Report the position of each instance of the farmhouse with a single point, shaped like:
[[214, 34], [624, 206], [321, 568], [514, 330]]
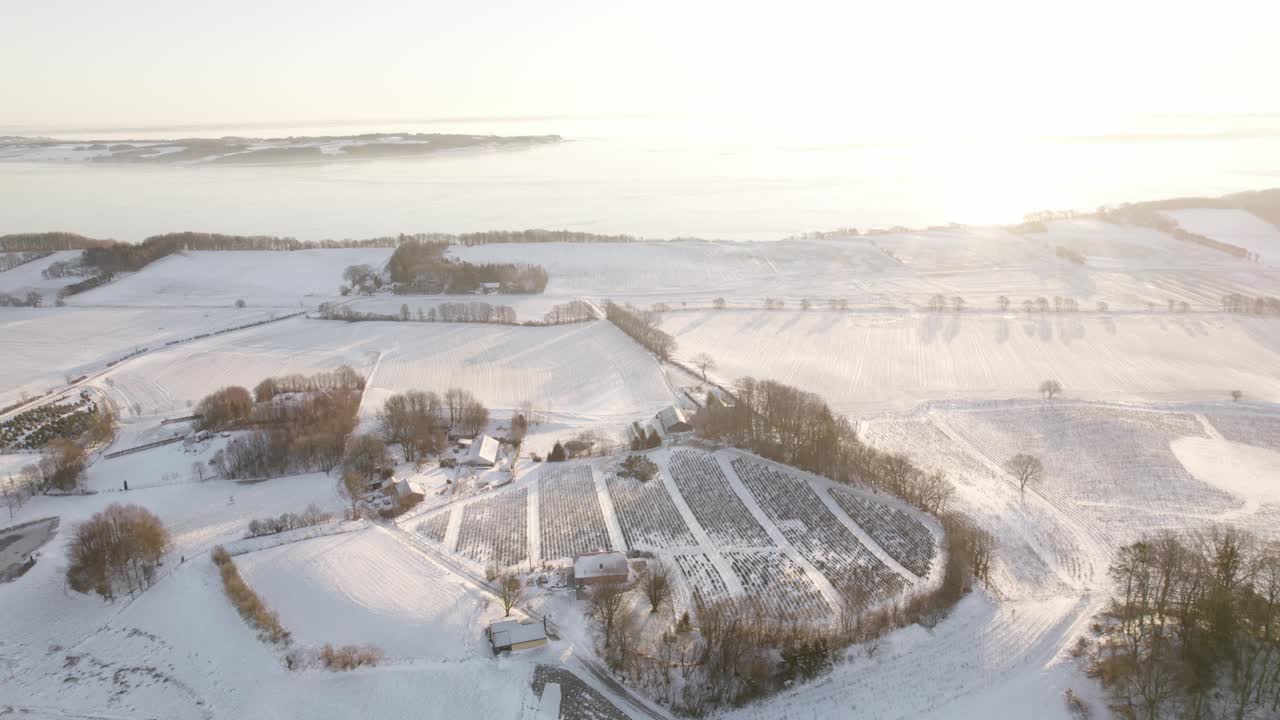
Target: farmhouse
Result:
[[673, 420], [482, 453], [600, 567], [511, 635]]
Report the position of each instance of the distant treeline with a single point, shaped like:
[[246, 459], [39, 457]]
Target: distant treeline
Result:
[[574, 311], [1148, 215], [420, 266], [48, 242]]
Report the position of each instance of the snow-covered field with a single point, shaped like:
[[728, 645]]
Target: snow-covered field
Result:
[[588, 370], [42, 346], [27, 276], [1238, 227], [262, 278], [1125, 267], [1144, 438], [866, 362]]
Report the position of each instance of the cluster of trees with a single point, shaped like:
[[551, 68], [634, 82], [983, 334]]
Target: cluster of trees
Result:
[[642, 326], [1238, 303], [343, 378], [587, 443], [415, 420], [638, 467], [1194, 628], [938, 303], [307, 434], [574, 311], [309, 517], [421, 267], [116, 550], [1060, 304], [1070, 255], [65, 268], [362, 279], [419, 421]]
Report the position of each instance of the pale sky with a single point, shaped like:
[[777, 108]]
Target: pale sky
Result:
[[983, 63]]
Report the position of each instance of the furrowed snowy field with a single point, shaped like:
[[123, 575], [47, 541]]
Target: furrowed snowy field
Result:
[[1126, 267], [589, 370], [42, 346], [867, 362], [736, 527], [265, 278]]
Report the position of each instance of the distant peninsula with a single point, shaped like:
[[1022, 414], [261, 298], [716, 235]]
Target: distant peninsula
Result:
[[243, 150]]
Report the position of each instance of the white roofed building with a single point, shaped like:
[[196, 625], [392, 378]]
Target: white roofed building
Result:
[[482, 453], [600, 567], [513, 635]]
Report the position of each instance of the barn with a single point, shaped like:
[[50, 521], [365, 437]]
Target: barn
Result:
[[508, 635], [600, 567], [673, 420]]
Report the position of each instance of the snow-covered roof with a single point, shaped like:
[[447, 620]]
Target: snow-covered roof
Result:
[[599, 564], [409, 487], [670, 416], [510, 632], [484, 451]]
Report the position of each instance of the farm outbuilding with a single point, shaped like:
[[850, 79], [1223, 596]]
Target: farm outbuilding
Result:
[[508, 635], [482, 453], [598, 568], [409, 491], [673, 420]]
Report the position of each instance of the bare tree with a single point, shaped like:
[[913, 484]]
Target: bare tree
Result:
[[704, 362], [1049, 388], [1236, 395], [1002, 302], [718, 303], [352, 488], [510, 592], [957, 303], [1026, 469], [606, 603], [1103, 307], [198, 471], [656, 584]]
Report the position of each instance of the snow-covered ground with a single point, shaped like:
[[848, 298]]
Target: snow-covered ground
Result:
[[262, 278], [28, 276], [1143, 439], [865, 362], [590, 370], [41, 347], [1238, 227]]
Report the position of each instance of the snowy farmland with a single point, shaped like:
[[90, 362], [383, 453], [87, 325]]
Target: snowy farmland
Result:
[[588, 371], [735, 526], [28, 276], [1144, 438], [875, 361], [43, 346]]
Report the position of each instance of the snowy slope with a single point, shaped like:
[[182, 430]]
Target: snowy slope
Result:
[[590, 370], [41, 346], [1238, 227], [861, 362], [218, 279], [27, 276]]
